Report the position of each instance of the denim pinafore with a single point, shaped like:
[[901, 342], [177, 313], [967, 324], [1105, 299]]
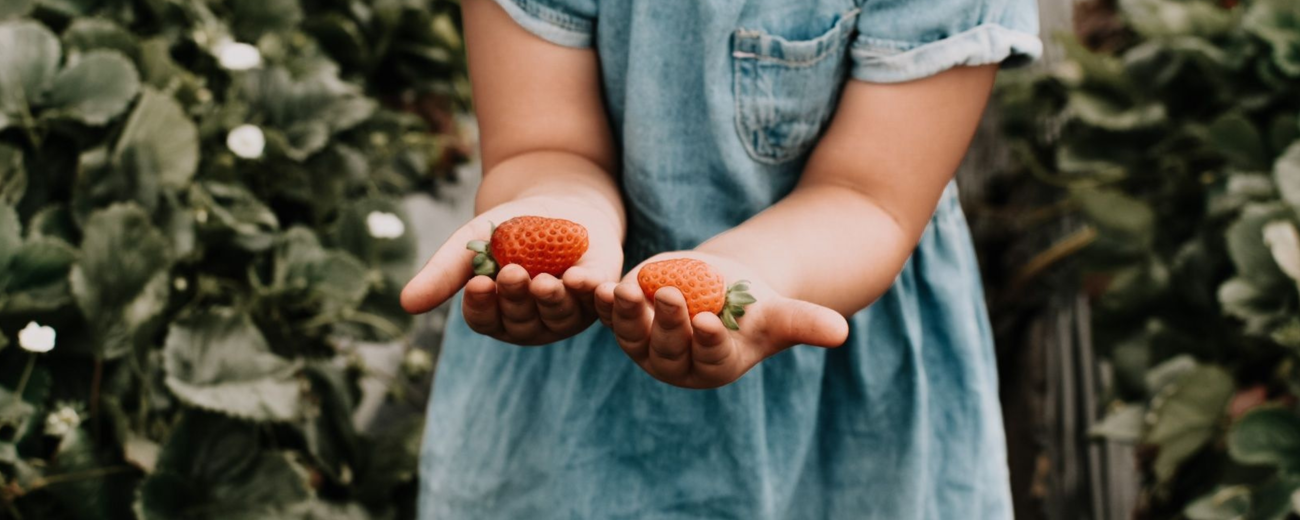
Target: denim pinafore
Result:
[[716, 105]]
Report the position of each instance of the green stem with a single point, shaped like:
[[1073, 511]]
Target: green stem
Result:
[[95, 383], [27, 375], [79, 475]]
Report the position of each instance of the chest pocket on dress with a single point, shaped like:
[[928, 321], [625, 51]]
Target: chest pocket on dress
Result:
[[786, 89]]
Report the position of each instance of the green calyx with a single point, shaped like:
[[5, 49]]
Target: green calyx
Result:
[[733, 308], [484, 263]]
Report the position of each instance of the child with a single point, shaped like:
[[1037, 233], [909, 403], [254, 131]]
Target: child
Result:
[[805, 145]]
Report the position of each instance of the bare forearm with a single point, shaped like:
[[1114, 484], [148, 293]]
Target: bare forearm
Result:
[[825, 244], [867, 193]]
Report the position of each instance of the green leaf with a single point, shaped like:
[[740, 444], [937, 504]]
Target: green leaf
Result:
[[1228, 503], [394, 257], [220, 361], [1266, 436], [15, 415], [304, 110], [1241, 299], [1124, 424], [1248, 250], [1163, 18], [391, 460], [1283, 131], [214, 467], [1115, 212], [105, 496], [87, 34], [159, 141], [39, 263], [1286, 173], [1187, 414], [121, 294], [1283, 241], [96, 88], [1168, 372], [335, 276], [254, 18], [328, 430], [15, 8], [1238, 140], [1109, 114], [11, 234], [13, 175], [1277, 22], [231, 212], [1272, 501], [24, 76]]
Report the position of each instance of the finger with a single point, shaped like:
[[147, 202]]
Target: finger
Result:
[[558, 309], [584, 279], [605, 302], [445, 273], [670, 335], [518, 308], [631, 321], [480, 306], [711, 346], [794, 322]]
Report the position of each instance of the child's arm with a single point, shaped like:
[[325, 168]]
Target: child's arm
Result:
[[547, 151], [830, 248]]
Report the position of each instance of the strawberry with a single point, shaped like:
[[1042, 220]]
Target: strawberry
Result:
[[704, 289], [538, 244]]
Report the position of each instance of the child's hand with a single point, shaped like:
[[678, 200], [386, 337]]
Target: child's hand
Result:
[[701, 352], [516, 308]]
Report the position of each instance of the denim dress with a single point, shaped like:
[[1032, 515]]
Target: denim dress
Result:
[[716, 105]]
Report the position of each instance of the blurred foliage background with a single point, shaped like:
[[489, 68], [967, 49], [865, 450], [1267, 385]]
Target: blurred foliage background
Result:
[[199, 221], [1169, 132]]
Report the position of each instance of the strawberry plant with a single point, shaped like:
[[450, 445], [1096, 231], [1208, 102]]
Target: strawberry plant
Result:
[[1174, 133], [199, 219]]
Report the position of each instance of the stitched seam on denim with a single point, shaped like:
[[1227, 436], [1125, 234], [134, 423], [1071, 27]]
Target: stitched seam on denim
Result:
[[841, 31], [838, 32], [864, 51], [555, 17], [738, 118]]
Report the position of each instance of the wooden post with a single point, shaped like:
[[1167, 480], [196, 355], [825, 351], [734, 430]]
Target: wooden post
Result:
[[1051, 377]]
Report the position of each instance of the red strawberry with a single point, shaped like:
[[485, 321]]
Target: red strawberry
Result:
[[704, 289], [538, 244]]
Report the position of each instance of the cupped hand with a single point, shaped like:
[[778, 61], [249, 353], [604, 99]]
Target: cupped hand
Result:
[[514, 307], [701, 352]]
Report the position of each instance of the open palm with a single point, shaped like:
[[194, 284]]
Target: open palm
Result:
[[514, 307], [701, 352]]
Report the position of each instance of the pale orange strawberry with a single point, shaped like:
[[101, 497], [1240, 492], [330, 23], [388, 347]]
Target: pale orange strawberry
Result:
[[703, 287], [538, 244]]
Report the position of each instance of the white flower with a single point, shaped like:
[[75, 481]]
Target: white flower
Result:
[[246, 141], [385, 225], [237, 56], [36, 338], [62, 421], [417, 362]]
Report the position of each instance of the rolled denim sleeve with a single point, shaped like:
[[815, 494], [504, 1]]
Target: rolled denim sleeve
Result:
[[903, 40], [570, 23]]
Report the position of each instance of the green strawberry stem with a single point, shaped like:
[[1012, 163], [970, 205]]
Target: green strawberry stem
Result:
[[484, 263], [733, 308]]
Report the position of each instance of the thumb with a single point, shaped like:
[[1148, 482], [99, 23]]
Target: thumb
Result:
[[794, 322], [443, 276]]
